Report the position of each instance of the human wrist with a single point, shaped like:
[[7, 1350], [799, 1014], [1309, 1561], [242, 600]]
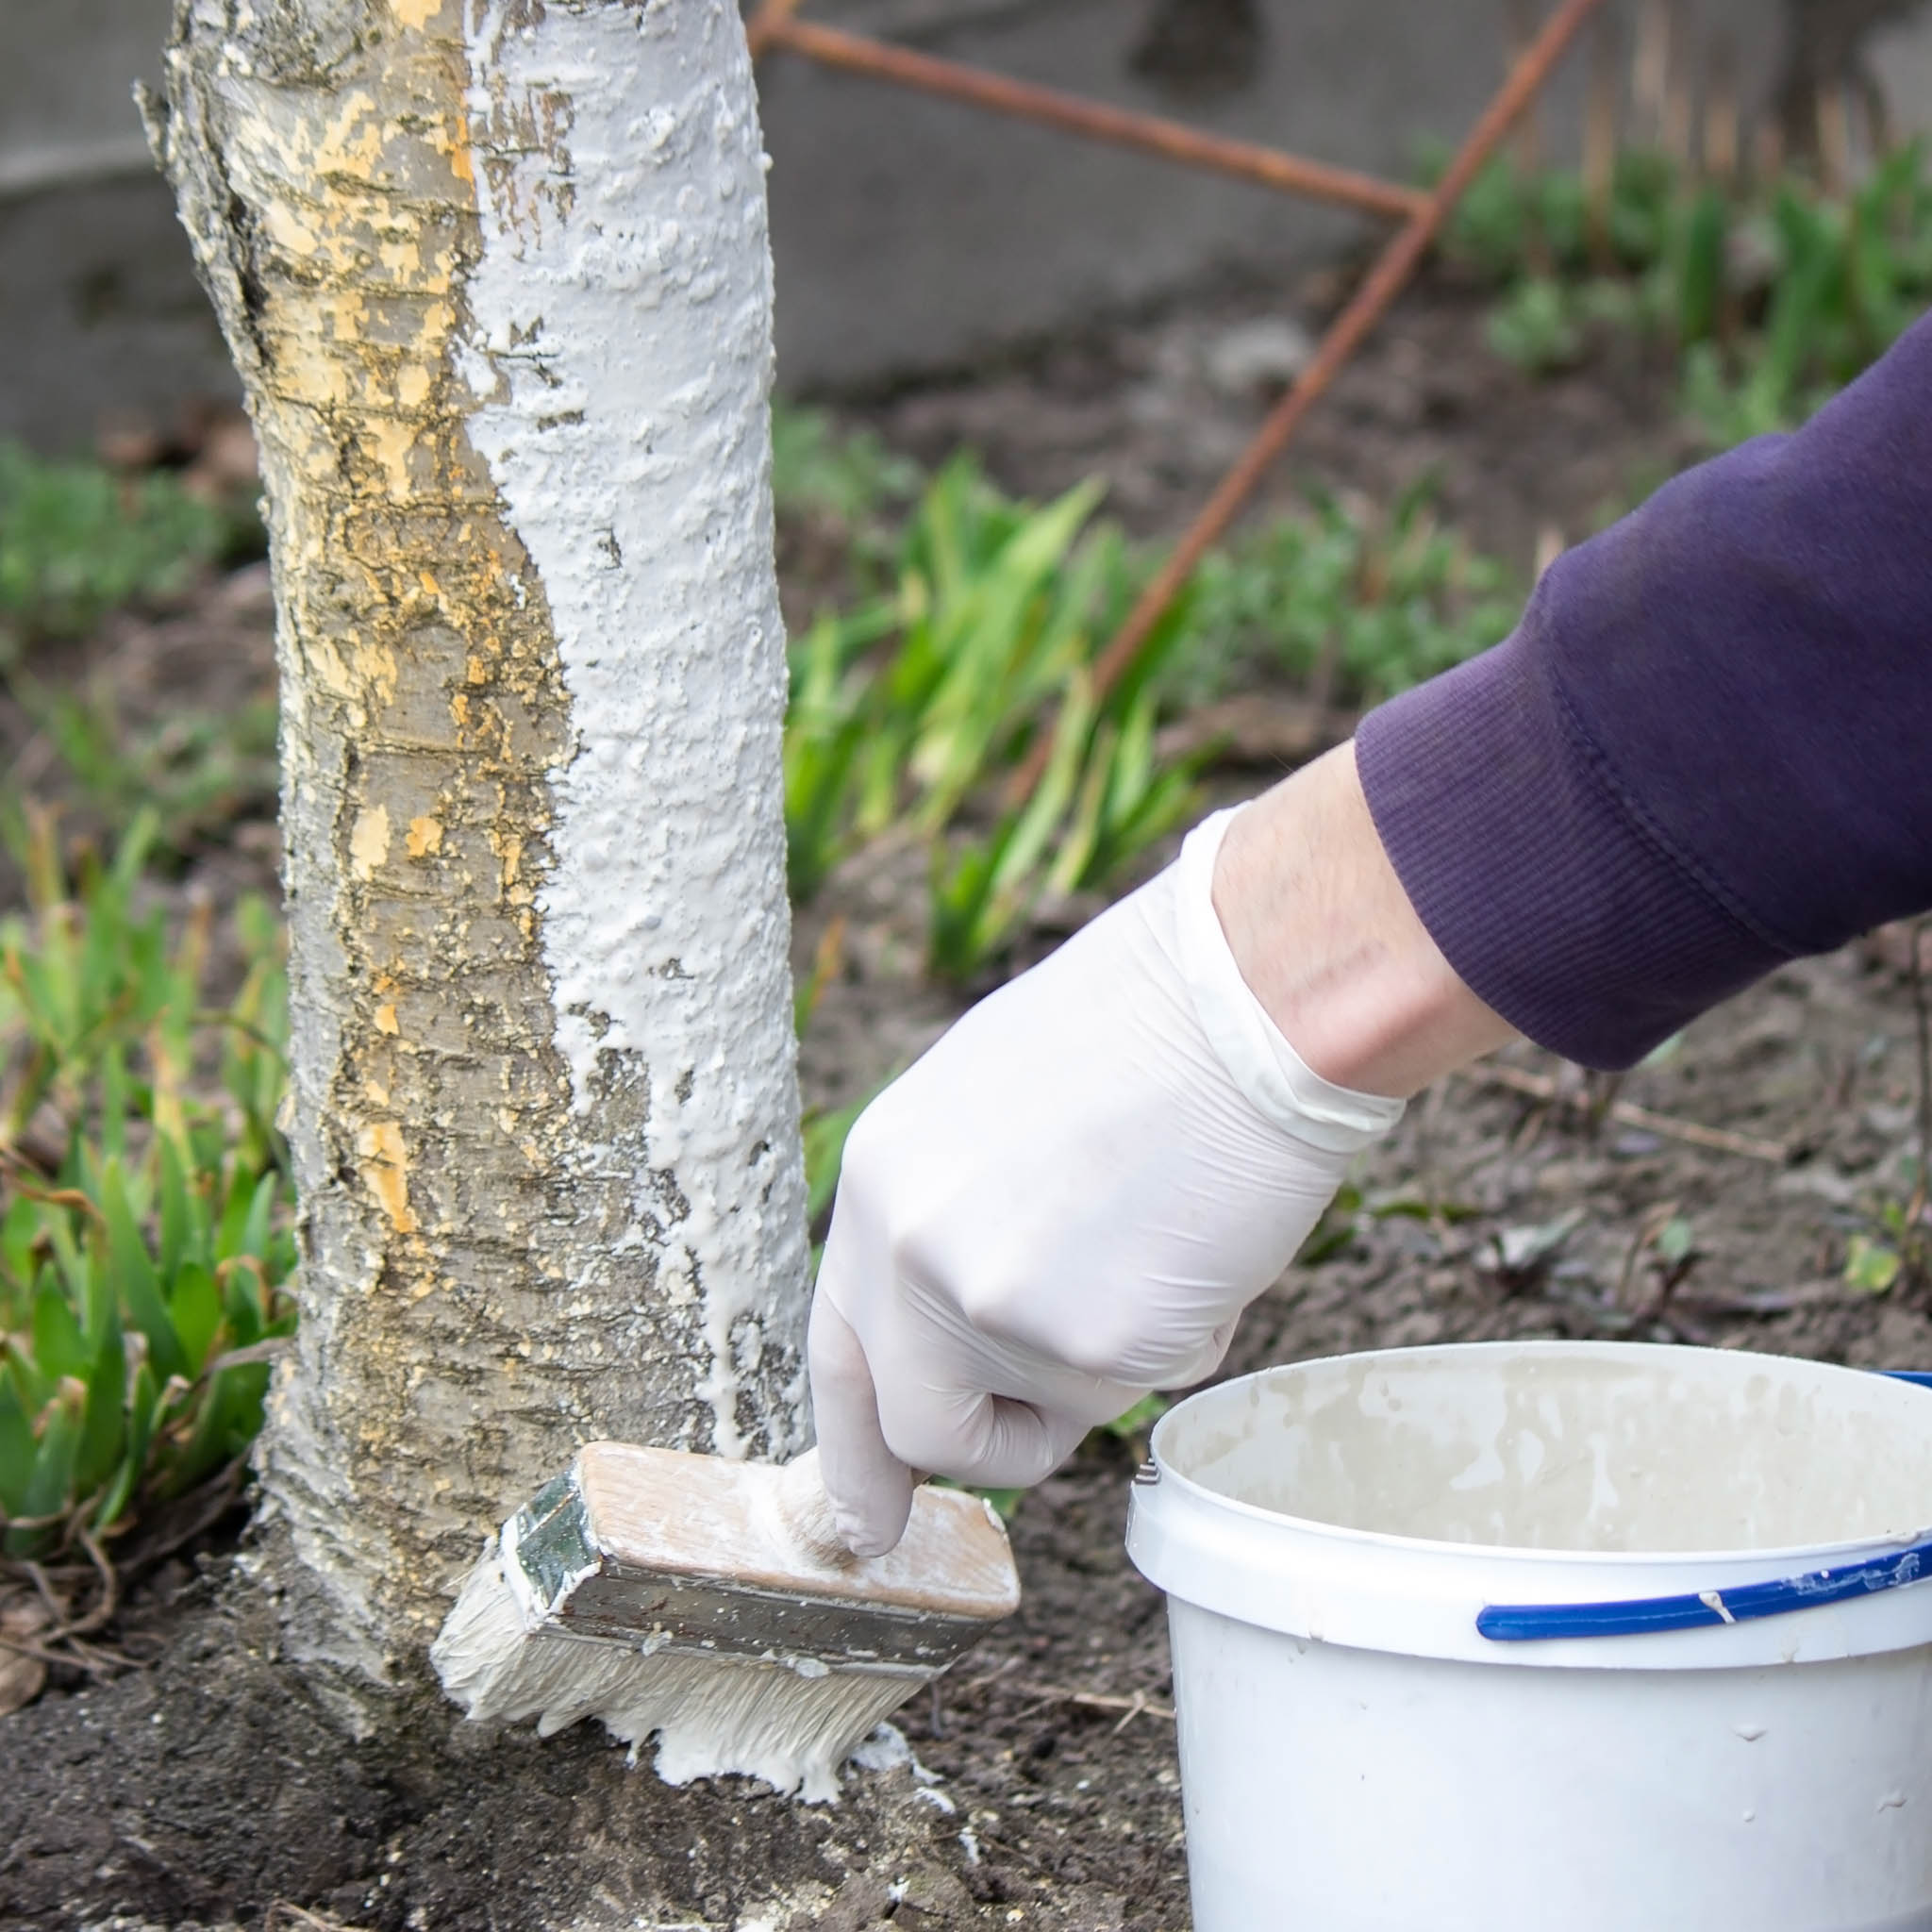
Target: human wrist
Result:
[[1327, 942], [1323, 1115]]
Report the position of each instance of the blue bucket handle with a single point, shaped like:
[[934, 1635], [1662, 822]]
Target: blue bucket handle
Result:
[[1707, 1609]]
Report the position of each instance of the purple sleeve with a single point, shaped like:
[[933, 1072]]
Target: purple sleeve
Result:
[[1708, 747]]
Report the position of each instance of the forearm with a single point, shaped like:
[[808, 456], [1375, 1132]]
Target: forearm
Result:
[[1328, 943], [1702, 754]]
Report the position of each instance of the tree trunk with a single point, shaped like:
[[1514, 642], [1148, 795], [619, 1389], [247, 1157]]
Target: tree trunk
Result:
[[496, 276]]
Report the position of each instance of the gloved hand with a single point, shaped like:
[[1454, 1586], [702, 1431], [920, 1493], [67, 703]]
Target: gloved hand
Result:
[[1067, 1202]]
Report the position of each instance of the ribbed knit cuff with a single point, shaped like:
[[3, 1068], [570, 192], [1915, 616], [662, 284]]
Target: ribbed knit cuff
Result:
[[1559, 903]]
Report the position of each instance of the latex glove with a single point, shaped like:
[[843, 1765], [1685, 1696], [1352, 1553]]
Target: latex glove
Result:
[[1067, 1202]]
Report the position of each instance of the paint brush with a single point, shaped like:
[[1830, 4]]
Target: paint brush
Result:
[[711, 1603]]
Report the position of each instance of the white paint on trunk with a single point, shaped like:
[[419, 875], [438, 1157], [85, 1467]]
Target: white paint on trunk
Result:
[[621, 340]]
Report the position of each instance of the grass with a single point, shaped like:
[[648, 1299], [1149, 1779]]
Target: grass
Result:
[[1896, 1244], [1770, 296], [910, 710], [196, 774], [818, 469], [78, 541], [906, 711], [1358, 605], [145, 1207]]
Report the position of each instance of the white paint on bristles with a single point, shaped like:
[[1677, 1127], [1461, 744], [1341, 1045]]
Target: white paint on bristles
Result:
[[621, 336], [650, 1520], [759, 1716]]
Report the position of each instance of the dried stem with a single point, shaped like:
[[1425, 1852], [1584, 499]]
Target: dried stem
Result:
[[1722, 144], [1650, 68], [1600, 140], [100, 1583], [1540, 1087], [1680, 106], [1834, 140]]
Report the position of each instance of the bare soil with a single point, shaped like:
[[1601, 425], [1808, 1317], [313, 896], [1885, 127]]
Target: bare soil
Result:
[[1160, 405], [208, 1786]]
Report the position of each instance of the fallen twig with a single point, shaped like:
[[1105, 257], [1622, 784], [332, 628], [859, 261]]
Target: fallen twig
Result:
[[1540, 1087], [197, 1511], [95, 1660], [284, 1912], [1096, 1700], [1038, 1694], [66, 1638], [265, 1351], [991, 1677], [1648, 1229], [106, 1603]]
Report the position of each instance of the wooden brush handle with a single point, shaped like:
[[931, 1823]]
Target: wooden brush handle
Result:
[[806, 1511]]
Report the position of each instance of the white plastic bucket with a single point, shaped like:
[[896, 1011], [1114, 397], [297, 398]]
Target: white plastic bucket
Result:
[[1355, 1753]]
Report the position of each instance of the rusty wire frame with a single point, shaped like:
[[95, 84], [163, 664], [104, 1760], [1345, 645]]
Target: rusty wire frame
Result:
[[776, 26]]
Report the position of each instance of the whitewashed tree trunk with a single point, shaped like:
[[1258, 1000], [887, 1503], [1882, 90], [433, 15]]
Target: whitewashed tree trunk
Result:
[[496, 276]]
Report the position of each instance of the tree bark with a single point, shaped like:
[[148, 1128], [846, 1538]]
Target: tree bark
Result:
[[496, 277]]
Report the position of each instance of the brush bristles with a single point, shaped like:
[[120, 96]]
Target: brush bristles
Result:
[[792, 1726], [708, 1604]]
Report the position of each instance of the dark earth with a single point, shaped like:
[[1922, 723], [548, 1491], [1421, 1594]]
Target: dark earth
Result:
[[204, 1787]]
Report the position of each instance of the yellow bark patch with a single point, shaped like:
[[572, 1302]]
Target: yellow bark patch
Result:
[[386, 1021], [374, 664], [385, 1167], [347, 146], [369, 841], [394, 447], [288, 228], [416, 12], [424, 837], [307, 370]]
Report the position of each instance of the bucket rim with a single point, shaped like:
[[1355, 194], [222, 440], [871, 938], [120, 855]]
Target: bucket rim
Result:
[[1610, 1561]]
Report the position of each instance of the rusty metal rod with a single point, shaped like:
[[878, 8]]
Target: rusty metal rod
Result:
[[766, 22], [1392, 269], [773, 27]]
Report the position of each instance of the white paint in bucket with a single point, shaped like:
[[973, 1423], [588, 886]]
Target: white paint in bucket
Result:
[[1355, 1754]]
